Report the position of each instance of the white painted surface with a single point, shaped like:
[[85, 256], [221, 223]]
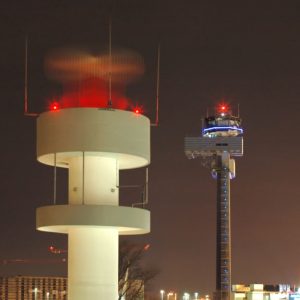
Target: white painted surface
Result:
[[93, 264], [94, 144], [100, 132], [93, 180], [61, 218]]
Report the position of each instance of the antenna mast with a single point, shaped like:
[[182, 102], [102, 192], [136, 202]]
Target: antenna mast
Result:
[[157, 85], [26, 77], [26, 113], [109, 51]]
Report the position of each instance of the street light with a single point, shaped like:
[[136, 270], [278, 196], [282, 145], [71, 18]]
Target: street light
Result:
[[162, 292], [186, 296], [35, 293], [169, 294], [196, 296]]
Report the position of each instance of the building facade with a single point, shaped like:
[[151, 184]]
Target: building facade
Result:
[[33, 288], [51, 288], [265, 292]]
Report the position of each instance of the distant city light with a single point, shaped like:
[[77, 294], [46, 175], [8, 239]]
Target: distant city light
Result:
[[186, 296], [171, 295]]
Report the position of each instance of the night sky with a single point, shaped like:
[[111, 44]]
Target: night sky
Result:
[[246, 52]]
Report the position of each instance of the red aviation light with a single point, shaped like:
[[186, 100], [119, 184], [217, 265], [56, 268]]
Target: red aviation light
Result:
[[223, 108], [54, 106], [138, 110]]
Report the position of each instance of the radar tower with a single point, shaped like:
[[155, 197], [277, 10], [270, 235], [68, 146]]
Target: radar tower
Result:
[[89, 132], [221, 140]]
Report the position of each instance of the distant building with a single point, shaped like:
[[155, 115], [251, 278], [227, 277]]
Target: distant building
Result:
[[265, 292], [49, 288], [33, 288]]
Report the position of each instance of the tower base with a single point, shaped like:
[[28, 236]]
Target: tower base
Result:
[[219, 295]]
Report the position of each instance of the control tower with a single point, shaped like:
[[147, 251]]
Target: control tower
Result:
[[221, 140], [93, 139]]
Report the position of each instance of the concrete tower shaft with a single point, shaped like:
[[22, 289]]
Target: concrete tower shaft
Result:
[[94, 144]]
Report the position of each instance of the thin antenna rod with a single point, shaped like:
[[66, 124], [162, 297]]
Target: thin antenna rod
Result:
[[238, 110], [26, 113], [26, 78], [157, 86], [109, 50]]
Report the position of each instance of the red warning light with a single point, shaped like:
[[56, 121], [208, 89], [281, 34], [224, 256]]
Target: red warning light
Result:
[[223, 108], [54, 106], [138, 110]]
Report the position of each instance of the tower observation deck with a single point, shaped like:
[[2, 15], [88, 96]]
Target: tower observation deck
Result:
[[221, 140]]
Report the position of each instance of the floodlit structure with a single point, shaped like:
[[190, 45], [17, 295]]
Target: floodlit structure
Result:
[[86, 133], [265, 292], [221, 140]]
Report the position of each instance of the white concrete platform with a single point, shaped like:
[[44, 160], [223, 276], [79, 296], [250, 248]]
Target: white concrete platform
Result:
[[61, 218], [118, 134]]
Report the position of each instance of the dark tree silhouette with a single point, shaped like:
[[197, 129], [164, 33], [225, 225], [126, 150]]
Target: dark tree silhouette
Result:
[[133, 275]]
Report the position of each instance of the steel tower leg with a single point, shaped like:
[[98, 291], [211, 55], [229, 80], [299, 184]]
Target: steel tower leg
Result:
[[223, 255]]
